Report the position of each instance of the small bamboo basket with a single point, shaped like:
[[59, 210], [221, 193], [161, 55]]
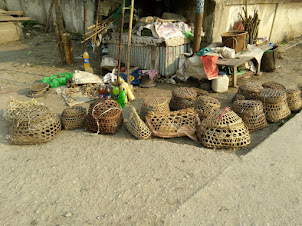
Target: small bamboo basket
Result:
[[74, 117], [156, 104], [182, 98], [294, 99], [206, 106]]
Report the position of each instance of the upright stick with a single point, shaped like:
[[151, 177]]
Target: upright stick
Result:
[[84, 25], [121, 41], [129, 42], [49, 15], [198, 25], [97, 23]]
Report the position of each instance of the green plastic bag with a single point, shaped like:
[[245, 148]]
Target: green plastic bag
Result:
[[54, 81]]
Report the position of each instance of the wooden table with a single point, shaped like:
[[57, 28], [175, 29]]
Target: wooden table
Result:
[[234, 63]]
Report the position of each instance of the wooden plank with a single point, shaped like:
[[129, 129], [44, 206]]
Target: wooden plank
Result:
[[17, 13], [9, 18], [233, 62]]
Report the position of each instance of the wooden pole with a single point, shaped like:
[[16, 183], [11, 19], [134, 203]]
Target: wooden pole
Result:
[[59, 46], [66, 41], [49, 15], [198, 25], [97, 23], [121, 41], [129, 42], [59, 17]]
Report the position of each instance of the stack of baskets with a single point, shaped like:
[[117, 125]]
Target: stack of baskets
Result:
[[34, 125], [274, 104], [223, 129], [251, 112], [206, 105], [104, 116], [182, 98], [294, 99], [73, 117], [248, 91], [137, 127], [170, 124], [157, 104]]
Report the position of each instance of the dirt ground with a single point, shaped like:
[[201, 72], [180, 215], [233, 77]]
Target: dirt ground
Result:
[[83, 178]]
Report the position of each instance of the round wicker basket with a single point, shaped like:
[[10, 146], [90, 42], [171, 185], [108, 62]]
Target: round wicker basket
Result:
[[104, 116], [182, 98], [206, 105], [251, 112], [137, 127], [250, 91], [294, 99], [73, 117], [274, 85], [34, 125], [169, 125], [274, 104], [223, 129], [157, 104]]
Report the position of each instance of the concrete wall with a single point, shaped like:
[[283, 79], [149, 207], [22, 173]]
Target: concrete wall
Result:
[[280, 19], [38, 9]]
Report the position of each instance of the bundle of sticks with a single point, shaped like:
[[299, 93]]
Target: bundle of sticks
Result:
[[251, 25]]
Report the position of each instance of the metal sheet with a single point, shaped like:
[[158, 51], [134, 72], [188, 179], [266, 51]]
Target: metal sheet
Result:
[[164, 59]]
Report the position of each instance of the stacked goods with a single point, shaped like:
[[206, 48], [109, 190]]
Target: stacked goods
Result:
[[182, 98], [274, 104], [251, 112], [34, 125], [173, 124], [156, 104], [294, 99], [206, 105], [223, 129], [273, 85], [137, 127], [104, 116], [73, 117]]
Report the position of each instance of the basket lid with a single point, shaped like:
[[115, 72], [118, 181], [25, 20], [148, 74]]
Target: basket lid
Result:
[[204, 100], [154, 100], [104, 108], [184, 92], [272, 95], [247, 106], [273, 85]]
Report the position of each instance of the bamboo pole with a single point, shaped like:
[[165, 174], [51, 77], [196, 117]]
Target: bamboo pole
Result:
[[49, 15], [121, 41], [129, 42], [59, 17], [97, 23], [84, 25]]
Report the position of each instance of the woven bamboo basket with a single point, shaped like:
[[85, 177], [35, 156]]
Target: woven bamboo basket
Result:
[[137, 127], [238, 96], [74, 117], [251, 112], [294, 99], [170, 124], [182, 98], [273, 85], [250, 91], [34, 125], [104, 116], [223, 129], [274, 104], [206, 105], [157, 104]]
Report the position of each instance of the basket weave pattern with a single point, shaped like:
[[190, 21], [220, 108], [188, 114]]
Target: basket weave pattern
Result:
[[223, 129], [73, 117], [274, 85], [104, 116], [34, 125], [206, 105], [137, 127], [250, 91], [274, 104], [167, 125], [182, 98], [294, 99], [156, 104], [251, 112]]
